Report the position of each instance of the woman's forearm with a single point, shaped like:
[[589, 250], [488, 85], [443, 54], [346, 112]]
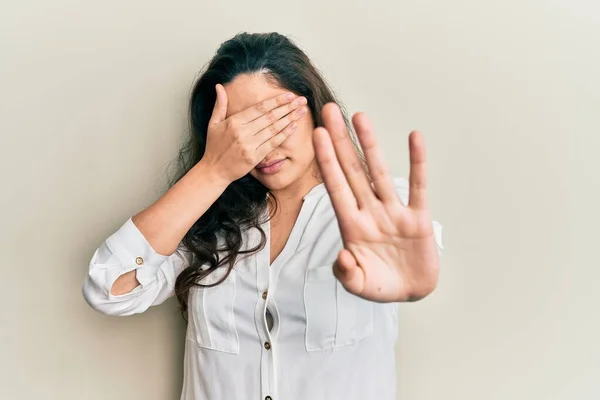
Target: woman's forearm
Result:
[[165, 222]]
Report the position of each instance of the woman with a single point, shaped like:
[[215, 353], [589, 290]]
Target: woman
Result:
[[288, 259]]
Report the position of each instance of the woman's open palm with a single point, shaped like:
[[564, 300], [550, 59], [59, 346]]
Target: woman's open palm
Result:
[[390, 253]]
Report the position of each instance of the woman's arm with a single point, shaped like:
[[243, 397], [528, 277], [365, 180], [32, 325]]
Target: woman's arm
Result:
[[136, 267], [165, 222]]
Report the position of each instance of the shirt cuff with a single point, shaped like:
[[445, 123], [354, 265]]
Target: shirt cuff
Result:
[[134, 252]]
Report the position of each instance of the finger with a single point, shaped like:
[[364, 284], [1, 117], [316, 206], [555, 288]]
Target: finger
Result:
[[277, 126], [343, 200], [275, 141], [276, 119], [346, 152], [220, 109], [253, 112], [380, 176], [417, 193], [347, 271]]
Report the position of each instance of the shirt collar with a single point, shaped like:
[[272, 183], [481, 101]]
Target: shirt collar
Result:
[[317, 191]]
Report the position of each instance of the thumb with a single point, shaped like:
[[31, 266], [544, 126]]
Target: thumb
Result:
[[220, 110], [347, 271]]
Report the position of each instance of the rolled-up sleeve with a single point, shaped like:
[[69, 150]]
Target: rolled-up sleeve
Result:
[[127, 250]]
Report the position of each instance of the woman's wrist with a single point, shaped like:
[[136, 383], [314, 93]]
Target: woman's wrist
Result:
[[210, 175]]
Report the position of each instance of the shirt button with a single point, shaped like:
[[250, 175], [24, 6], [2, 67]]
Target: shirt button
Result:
[[139, 260], [267, 345], [264, 296]]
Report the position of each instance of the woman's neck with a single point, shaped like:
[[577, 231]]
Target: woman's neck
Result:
[[295, 192]]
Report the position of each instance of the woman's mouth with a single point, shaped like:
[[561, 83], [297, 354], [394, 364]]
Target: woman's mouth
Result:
[[271, 167]]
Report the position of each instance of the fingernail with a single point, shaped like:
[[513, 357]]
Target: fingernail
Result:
[[302, 111], [301, 101], [293, 126], [290, 96]]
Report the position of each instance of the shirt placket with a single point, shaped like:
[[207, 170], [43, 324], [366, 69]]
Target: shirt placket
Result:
[[268, 358], [267, 277]]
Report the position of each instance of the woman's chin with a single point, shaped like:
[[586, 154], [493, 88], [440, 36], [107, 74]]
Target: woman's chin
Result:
[[275, 182]]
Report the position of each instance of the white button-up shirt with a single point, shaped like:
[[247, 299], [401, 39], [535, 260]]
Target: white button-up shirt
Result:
[[321, 343]]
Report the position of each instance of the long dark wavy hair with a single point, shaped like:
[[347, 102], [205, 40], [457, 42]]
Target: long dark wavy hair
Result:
[[215, 239]]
